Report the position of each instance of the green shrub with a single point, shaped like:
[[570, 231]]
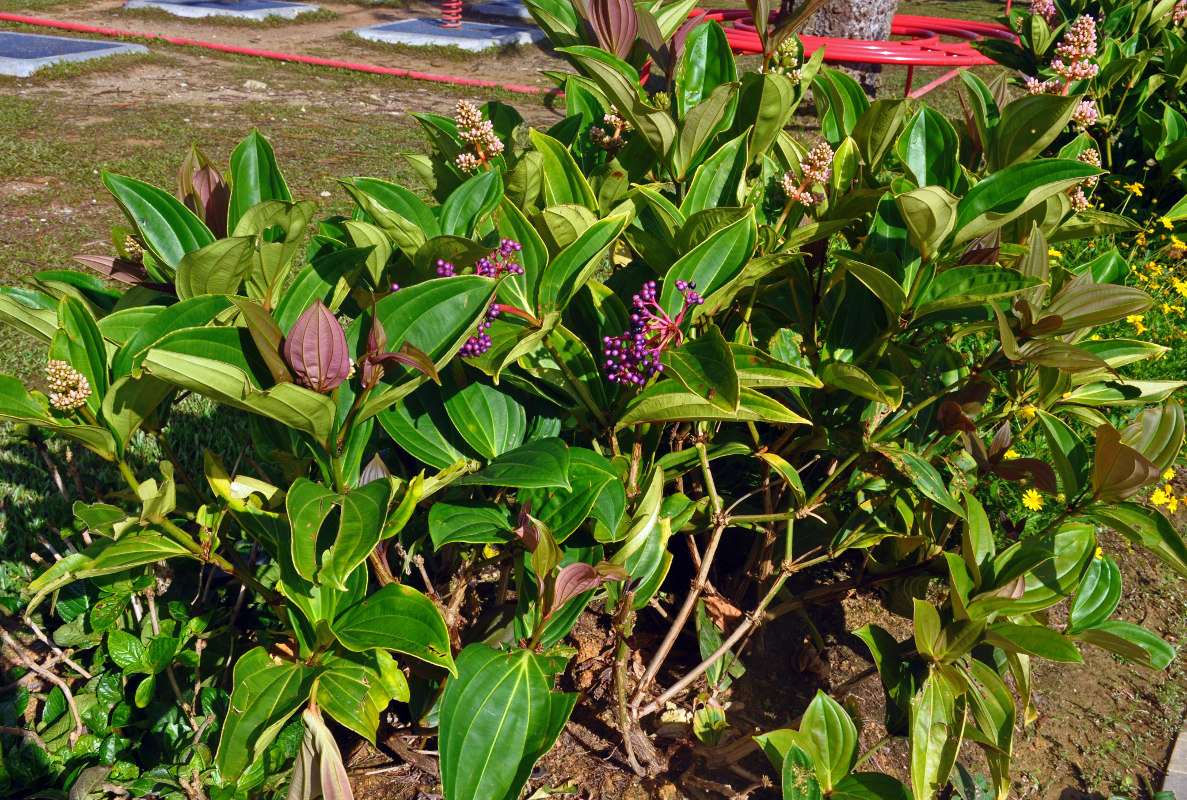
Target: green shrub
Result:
[[471, 417]]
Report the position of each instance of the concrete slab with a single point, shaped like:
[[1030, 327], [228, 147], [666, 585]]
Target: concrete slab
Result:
[[22, 54], [472, 36], [506, 9], [1176, 771], [242, 9]]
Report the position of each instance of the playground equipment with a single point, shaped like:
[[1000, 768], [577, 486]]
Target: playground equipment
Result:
[[924, 49]]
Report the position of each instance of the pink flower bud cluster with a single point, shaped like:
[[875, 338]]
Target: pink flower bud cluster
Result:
[[1035, 86], [1045, 9], [1180, 11], [479, 136], [1078, 45], [816, 168], [69, 389], [1077, 196], [1085, 115], [610, 142]]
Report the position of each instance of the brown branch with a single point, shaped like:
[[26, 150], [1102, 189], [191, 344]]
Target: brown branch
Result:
[[24, 734], [31, 663]]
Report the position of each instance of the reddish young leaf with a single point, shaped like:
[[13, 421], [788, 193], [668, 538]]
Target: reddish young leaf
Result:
[[1118, 471], [115, 268], [316, 350], [580, 577]]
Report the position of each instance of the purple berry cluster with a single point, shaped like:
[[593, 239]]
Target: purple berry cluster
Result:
[[633, 357], [480, 342], [502, 260]]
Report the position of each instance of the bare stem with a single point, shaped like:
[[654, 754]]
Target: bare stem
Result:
[[28, 660], [681, 617]]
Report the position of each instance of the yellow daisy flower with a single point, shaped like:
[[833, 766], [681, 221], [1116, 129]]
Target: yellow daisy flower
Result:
[[1134, 188], [1032, 500], [1012, 453], [1169, 475]]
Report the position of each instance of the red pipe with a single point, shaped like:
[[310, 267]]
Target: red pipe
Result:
[[247, 51]]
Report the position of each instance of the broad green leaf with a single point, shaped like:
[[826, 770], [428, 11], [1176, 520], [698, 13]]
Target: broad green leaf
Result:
[[1146, 527], [469, 522], [930, 215], [711, 264], [707, 62], [870, 786], [757, 370], [1033, 640], [851, 378], [576, 264], [563, 180], [467, 205], [798, 772], [1097, 597], [716, 182], [355, 688], [1069, 454], [937, 728], [105, 557], [669, 401], [422, 428], [436, 316], [255, 177], [396, 210], [490, 420], [175, 362], [217, 268], [361, 520], [656, 127], [596, 491], [192, 313], [1131, 642], [264, 695], [80, 344], [884, 287], [169, 229], [17, 405], [919, 472], [498, 717], [826, 726], [1010, 193], [971, 285], [701, 125], [877, 129], [929, 147], [540, 464], [396, 618], [705, 366], [1028, 125]]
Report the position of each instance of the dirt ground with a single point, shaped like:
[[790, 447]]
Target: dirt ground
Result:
[[1103, 726]]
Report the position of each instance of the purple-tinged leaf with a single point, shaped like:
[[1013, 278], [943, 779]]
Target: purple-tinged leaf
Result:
[[615, 24], [266, 334], [115, 268], [375, 470], [579, 577], [203, 190], [410, 356], [1119, 471], [316, 350], [526, 530]]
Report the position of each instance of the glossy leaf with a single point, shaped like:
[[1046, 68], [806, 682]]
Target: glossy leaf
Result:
[[1033, 640], [264, 696], [169, 229], [217, 268], [1097, 597], [705, 366], [396, 618], [498, 717], [1010, 193], [255, 177], [832, 737], [469, 522], [540, 464], [490, 420]]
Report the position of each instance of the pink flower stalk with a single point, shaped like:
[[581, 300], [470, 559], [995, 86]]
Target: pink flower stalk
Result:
[[632, 357]]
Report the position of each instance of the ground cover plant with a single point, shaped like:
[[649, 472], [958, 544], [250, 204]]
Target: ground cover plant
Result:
[[661, 322]]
